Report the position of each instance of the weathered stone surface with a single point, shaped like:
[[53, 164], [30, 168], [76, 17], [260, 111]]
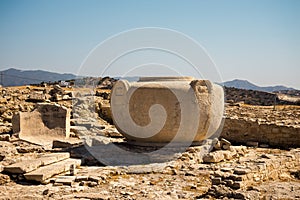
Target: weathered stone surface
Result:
[[96, 179], [37, 96], [5, 128], [23, 167], [239, 171], [41, 126], [81, 178], [224, 144], [263, 125], [66, 143], [237, 185], [216, 180], [30, 165], [104, 111], [48, 171], [77, 129], [58, 94], [4, 179], [144, 169], [171, 116], [214, 157], [7, 149], [4, 137], [65, 180]]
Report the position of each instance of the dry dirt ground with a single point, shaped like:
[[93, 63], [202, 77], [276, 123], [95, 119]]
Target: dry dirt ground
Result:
[[234, 172]]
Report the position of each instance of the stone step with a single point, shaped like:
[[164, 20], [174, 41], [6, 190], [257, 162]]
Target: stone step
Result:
[[45, 172], [30, 165]]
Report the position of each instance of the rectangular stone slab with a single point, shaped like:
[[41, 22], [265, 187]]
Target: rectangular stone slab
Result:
[[48, 171], [30, 165], [65, 180]]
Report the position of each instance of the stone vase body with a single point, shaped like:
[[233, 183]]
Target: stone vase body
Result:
[[167, 109]]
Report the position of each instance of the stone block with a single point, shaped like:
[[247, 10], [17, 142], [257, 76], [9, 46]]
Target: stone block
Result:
[[229, 182], [41, 126], [30, 165], [48, 171], [226, 169], [23, 167], [54, 157], [37, 96], [236, 177], [213, 157], [95, 179], [239, 171], [237, 185], [81, 178], [216, 181], [65, 180]]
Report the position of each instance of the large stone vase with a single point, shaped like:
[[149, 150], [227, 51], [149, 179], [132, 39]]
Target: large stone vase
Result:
[[167, 109]]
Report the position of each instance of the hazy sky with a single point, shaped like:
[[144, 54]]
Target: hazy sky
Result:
[[257, 40]]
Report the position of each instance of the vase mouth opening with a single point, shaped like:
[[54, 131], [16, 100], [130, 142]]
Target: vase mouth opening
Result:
[[165, 78]]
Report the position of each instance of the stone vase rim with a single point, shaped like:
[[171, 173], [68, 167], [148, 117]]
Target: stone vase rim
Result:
[[165, 78]]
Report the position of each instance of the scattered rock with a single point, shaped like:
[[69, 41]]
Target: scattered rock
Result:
[[4, 137], [7, 149], [225, 144], [4, 179], [37, 96], [46, 192]]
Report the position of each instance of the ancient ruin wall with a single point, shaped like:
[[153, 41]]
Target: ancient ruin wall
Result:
[[245, 131]]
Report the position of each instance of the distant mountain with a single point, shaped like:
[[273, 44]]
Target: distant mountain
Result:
[[16, 77], [244, 84]]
